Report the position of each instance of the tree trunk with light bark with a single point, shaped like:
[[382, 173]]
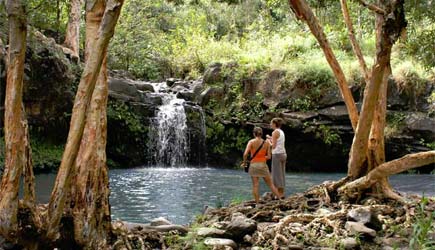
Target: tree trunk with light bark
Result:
[[16, 144], [81, 109], [303, 12], [72, 36], [91, 192]]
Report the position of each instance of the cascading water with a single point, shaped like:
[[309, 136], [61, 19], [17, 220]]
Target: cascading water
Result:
[[168, 132]]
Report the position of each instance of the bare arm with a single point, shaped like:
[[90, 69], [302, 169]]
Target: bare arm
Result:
[[248, 148], [275, 136], [269, 153]]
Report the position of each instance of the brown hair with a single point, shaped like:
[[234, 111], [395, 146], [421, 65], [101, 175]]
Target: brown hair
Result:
[[277, 122], [258, 131]]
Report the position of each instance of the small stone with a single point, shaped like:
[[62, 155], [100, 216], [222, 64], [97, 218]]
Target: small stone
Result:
[[210, 232], [247, 238], [160, 222], [358, 228], [240, 226], [220, 242], [295, 247], [361, 214], [349, 244], [394, 242]]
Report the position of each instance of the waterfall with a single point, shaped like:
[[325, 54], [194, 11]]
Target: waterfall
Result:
[[168, 130]]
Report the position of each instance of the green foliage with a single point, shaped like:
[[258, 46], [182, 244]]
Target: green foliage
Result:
[[395, 123], [430, 145], [238, 199], [119, 111], [223, 140], [423, 227], [328, 135], [50, 17], [46, 156]]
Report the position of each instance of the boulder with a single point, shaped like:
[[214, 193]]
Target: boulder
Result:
[[420, 125], [213, 74], [144, 86], [358, 228], [220, 242], [349, 244], [336, 113], [210, 232], [240, 226], [332, 97], [170, 81], [209, 93], [186, 95], [123, 89], [360, 214]]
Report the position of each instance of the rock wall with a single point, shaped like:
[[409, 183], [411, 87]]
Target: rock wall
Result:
[[317, 127]]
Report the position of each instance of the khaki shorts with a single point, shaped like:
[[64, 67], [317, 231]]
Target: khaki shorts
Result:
[[258, 169]]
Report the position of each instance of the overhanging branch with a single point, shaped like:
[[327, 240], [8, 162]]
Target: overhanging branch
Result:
[[372, 7]]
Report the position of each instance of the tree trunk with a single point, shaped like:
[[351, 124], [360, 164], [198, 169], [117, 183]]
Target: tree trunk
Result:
[[91, 203], [376, 148], [84, 94], [391, 29], [304, 12], [72, 36], [355, 46], [389, 168], [15, 130]]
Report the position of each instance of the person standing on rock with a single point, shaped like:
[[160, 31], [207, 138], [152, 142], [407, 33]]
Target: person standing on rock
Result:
[[279, 155], [260, 149]]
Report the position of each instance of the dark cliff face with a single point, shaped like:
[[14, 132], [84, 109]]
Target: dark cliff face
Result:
[[318, 131]]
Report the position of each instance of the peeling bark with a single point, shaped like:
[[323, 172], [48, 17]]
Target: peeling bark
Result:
[[72, 36], [391, 29], [15, 129], [304, 12], [91, 205], [82, 102]]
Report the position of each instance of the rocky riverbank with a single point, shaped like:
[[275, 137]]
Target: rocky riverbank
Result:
[[308, 220]]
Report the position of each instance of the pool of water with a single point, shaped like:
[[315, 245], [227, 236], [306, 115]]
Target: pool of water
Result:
[[141, 194]]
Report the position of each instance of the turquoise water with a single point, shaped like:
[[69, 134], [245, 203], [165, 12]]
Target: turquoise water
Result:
[[141, 194]]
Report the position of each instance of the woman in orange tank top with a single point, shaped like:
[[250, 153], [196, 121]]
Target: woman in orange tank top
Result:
[[258, 167]]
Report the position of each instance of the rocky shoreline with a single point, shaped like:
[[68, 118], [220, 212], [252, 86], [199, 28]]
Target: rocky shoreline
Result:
[[308, 220]]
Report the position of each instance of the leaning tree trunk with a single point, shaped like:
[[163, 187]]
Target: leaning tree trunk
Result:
[[85, 91], [15, 129], [376, 147], [384, 170], [72, 36], [393, 24], [91, 197], [304, 12], [355, 46]]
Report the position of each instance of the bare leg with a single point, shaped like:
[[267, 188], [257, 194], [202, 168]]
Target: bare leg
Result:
[[280, 192], [272, 187], [255, 184]]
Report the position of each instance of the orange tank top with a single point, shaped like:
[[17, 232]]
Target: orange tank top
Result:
[[261, 155]]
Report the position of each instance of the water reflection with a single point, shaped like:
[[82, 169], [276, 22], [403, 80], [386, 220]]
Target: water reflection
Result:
[[141, 194]]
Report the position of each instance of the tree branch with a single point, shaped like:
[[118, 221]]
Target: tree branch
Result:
[[407, 162], [354, 42], [372, 7]]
